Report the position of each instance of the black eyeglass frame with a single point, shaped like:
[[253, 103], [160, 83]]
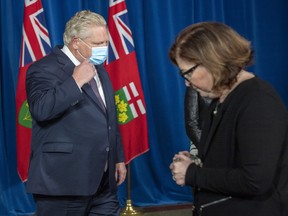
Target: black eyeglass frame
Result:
[[190, 70]]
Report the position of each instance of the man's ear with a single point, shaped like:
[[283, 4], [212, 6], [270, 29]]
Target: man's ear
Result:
[[75, 43]]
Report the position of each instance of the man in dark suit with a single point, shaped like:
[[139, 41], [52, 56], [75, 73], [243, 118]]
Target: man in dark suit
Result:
[[77, 157]]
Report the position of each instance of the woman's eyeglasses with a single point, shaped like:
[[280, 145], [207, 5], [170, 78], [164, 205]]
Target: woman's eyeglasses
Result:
[[188, 73], [187, 76]]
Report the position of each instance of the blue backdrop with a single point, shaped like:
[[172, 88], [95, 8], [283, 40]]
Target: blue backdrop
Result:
[[154, 25]]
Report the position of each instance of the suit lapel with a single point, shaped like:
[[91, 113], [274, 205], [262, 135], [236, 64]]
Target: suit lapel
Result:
[[106, 85], [88, 90], [68, 68], [64, 60], [106, 90], [212, 131], [215, 119]]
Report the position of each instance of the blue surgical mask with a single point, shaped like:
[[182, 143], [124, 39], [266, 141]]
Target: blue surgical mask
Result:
[[99, 55]]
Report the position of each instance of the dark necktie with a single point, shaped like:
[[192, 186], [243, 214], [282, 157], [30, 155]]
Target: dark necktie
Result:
[[94, 87]]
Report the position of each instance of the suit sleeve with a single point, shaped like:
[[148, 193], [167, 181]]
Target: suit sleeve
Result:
[[120, 150], [49, 94]]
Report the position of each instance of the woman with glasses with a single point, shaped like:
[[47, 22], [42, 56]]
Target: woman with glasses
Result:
[[242, 167]]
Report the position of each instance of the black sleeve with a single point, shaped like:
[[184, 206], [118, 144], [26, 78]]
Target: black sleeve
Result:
[[191, 111]]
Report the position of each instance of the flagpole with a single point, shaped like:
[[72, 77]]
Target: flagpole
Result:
[[129, 210], [123, 69]]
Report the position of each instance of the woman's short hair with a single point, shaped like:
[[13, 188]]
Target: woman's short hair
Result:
[[78, 26], [217, 47]]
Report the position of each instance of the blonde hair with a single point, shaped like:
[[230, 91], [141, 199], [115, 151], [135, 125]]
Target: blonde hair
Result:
[[78, 26], [215, 46]]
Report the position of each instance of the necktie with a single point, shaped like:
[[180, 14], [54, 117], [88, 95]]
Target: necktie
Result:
[[94, 87]]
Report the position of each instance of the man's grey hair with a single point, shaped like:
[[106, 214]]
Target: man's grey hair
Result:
[[78, 26]]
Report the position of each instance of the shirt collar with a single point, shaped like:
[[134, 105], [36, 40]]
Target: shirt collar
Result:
[[67, 52]]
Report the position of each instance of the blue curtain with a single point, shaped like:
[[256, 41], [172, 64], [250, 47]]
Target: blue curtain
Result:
[[154, 25]]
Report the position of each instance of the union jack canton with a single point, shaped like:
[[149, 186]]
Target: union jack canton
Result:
[[120, 35], [35, 42]]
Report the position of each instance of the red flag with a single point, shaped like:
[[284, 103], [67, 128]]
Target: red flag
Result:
[[35, 44], [123, 70]]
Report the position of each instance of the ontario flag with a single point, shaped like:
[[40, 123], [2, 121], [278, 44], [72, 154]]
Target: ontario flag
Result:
[[35, 44], [122, 67]]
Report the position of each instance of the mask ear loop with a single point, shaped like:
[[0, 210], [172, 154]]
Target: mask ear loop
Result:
[[79, 51], [85, 43], [81, 55]]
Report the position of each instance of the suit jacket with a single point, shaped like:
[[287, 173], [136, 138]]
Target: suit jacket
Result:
[[72, 136], [244, 150]]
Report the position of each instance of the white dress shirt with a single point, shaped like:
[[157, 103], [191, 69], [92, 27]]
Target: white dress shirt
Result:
[[67, 52]]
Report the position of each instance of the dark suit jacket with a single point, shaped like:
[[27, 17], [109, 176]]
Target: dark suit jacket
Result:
[[72, 137], [244, 150]]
